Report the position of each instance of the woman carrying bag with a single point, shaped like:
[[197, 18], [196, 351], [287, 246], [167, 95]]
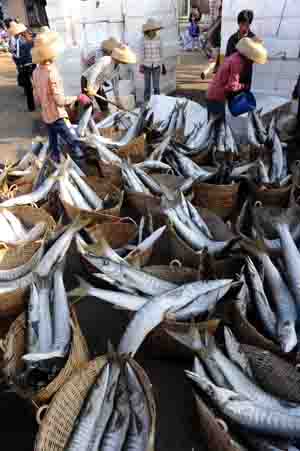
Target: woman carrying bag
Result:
[[228, 81], [152, 58]]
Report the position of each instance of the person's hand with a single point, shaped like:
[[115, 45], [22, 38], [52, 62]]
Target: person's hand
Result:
[[84, 100], [91, 92]]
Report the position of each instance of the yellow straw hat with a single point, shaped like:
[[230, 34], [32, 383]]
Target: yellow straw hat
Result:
[[152, 25], [124, 55], [110, 44], [47, 46], [16, 28], [253, 49], [44, 29]]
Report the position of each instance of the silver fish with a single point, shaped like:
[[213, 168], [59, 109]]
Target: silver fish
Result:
[[61, 312], [154, 311], [78, 199], [15, 224], [129, 276], [32, 331], [84, 120], [139, 430], [265, 312], [59, 248], [106, 410], [92, 198], [123, 300], [84, 427], [248, 414], [35, 196], [117, 428], [291, 259], [45, 322], [235, 353], [7, 275]]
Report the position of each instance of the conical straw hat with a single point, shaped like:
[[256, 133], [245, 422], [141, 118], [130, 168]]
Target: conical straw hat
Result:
[[16, 28], [124, 55], [152, 25], [110, 44], [47, 46], [44, 29], [253, 49]]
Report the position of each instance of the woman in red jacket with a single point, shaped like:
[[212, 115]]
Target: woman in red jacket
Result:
[[227, 81]]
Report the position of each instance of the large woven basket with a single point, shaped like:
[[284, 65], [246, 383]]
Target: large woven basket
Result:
[[221, 199], [182, 251], [14, 346], [273, 197], [111, 172], [117, 234], [18, 255], [65, 407], [113, 133], [135, 150], [102, 188]]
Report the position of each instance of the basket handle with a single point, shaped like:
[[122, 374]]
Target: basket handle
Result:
[[34, 205], [175, 264], [42, 410]]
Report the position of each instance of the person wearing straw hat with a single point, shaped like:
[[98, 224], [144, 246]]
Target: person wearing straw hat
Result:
[[48, 92], [106, 49], [152, 57], [107, 69], [23, 59], [228, 80]]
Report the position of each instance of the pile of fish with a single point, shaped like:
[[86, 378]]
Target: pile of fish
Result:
[[16, 233], [259, 300], [116, 413], [48, 331], [255, 392]]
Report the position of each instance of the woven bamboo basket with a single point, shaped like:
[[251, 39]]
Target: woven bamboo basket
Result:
[[143, 203], [11, 257], [181, 250], [277, 197], [14, 346], [15, 256], [203, 158], [113, 133], [117, 234], [135, 150], [111, 172], [58, 423], [221, 199], [245, 332], [102, 189]]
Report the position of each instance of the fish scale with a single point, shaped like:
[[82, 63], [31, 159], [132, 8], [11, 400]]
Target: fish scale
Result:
[[274, 374]]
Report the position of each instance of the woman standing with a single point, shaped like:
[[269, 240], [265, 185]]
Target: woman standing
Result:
[[228, 80], [152, 58], [48, 92]]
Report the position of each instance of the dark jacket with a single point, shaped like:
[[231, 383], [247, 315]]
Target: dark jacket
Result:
[[25, 54], [231, 48]]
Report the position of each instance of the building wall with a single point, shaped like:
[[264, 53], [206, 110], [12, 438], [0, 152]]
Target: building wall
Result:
[[16, 8], [278, 24]]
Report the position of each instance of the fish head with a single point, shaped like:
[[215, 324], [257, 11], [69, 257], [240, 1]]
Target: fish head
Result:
[[287, 336]]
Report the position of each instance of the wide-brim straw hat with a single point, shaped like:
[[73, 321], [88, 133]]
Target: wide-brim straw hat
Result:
[[16, 28], [47, 46], [152, 25], [253, 49], [110, 44], [44, 29], [124, 55]]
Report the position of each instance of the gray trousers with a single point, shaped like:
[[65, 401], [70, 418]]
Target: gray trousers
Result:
[[151, 74]]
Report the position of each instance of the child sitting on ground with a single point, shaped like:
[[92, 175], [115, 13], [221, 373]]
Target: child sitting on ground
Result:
[[194, 31]]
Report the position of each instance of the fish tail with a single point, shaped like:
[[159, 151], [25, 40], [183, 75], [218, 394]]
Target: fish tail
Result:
[[192, 339], [81, 291]]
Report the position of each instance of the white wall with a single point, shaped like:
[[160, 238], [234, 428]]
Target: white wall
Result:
[[122, 19], [277, 22]]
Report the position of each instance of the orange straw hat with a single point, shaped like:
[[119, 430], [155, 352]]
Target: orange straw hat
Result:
[[152, 25], [124, 55], [16, 28], [110, 44], [253, 49], [47, 46]]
